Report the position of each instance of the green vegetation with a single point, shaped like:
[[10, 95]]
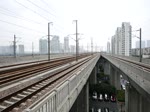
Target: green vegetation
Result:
[[101, 68], [121, 95], [102, 88], [103, 78], [103, 85]]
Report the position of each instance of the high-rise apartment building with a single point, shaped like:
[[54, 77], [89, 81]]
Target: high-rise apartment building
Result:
[[6, 50], [72, 49], [66, 44], [43, 46], [126, 38], [121, 41], [113, 45], [148, 43], [61, 48], [21, 49], [138, 44], [108, 47], [55, 44]]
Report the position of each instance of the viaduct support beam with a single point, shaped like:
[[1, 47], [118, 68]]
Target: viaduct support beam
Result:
[[93, 76], [117, 80], [135, 102], [112, 76], [82, 102], [107, 68]]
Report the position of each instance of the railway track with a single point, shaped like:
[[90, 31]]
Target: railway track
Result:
[[16, 74], [140, 65], [22, 97], [29, 71], [25, 64]]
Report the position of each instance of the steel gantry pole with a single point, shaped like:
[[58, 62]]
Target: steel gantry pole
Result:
[[15, 46], [140, 44], [49, 40], [76, 40], [76, 21]]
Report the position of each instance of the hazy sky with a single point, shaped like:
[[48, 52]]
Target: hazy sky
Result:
[[28, 19]]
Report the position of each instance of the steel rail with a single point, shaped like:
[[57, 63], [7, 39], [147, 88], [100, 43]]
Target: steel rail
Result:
[[38, 87]]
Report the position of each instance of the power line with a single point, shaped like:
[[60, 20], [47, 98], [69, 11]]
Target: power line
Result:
[[40, 7], [31, 10], [35, 12], [21, 17], [47, 5], [21, 26]]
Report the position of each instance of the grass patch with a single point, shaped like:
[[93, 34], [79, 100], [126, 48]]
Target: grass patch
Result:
[[121, 95]]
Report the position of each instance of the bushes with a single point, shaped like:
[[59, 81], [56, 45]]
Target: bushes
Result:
[[121, 95], [102, 88], [101, 77]]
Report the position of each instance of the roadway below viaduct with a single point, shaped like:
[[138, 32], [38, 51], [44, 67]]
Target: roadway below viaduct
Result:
[[46, 86], [138, 76]]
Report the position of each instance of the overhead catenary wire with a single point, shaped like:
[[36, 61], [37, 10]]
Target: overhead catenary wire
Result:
[[21, 26], [31, 10], [16, 16], [47, 5], [20, 18], [35, 12], [41, 8]]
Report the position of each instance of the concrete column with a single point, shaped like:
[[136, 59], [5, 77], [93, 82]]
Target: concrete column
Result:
[[107, 68], [93, 76], [112, 76], [87, 97], [145, 104], [133, 99], [127, 98], [135, 102], [82, 102], [98, 70], [117, 80]]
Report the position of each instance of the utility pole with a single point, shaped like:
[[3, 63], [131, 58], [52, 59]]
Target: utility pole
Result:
[[87, 48], [140, 30], [15, 46], [32, 49], [76, 21], [76, 40], [49, 40], [92, 46]]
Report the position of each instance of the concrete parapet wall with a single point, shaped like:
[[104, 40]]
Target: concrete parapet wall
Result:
[[64, 95], [137, 76]]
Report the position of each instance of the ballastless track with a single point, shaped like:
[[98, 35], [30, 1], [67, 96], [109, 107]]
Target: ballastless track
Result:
[[134, 63], [13, 74], [34, 90]]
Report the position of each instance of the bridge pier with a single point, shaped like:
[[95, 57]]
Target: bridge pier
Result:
[[107, 68], [112, 76], [134, 101], [115, 78], [82, 102], [93, 76]]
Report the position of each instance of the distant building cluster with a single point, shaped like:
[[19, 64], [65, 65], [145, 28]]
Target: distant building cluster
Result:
[[108, 47], [56, 46], [121, 41], [43, 46], [9, 50], [144, 44], [145, 51]]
